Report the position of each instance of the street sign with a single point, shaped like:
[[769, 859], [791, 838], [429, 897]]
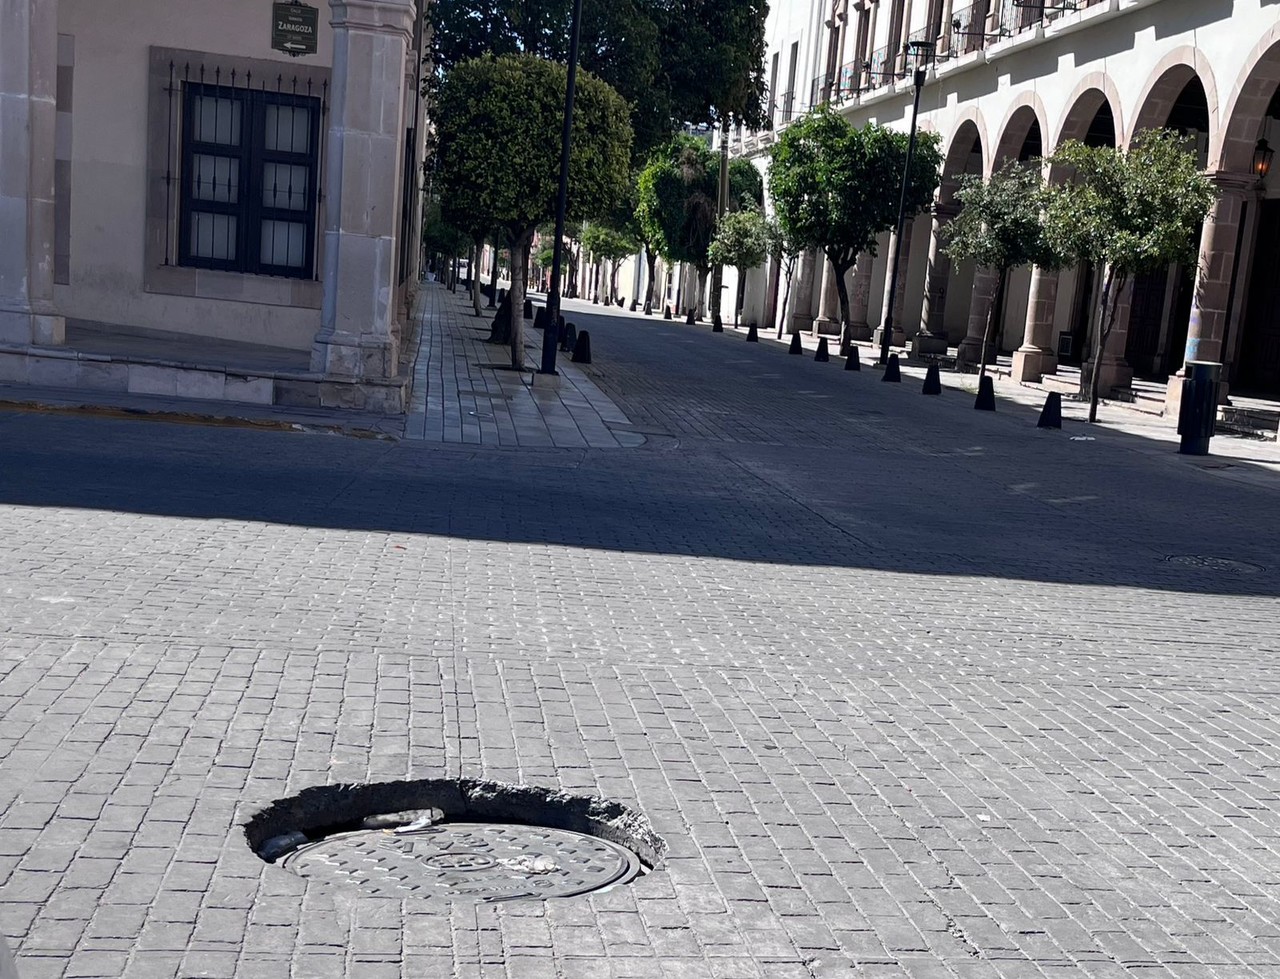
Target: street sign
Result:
[[294, 28]]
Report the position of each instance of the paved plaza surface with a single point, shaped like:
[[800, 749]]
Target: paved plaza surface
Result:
[[909, 690]]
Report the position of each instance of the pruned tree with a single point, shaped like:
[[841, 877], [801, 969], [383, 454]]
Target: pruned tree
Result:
[[611, 246], [495, 157], [1000, 227], [742, 241], [677, 193], [836, 188], [439, 237], [1128, 212]]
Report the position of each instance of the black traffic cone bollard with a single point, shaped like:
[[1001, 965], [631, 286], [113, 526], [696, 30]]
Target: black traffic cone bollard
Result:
[[795, 347], [1051, 413], [986, 400], [540, 318], [666, 312], [932, 380], [648, 308], [752, 336], [528, 309], [844, 345], [634, 304], [892, 372], [689, 317], [852, 363], [716, 325], [569, 337], [582, 348], [823, 355]]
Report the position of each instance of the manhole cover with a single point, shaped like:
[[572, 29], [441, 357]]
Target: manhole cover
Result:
[[475, 862], [1214, 563]]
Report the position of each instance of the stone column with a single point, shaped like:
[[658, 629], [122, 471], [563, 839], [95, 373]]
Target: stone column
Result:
[[1037, 356], [357, 338], [1208, 326], [800, 316], [932, 338], [986, 283], [900, 297], [28, 110], [860, 298], [828, 321]]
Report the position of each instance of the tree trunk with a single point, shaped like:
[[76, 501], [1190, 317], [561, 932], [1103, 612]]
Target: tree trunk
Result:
[[652, 258], [569, 288], [992, 311], [700, 306], [476, 251], [842, 293], [519, 259], [1108, 311], [742, 295], [493, 274], [613, 283], [789, 267]]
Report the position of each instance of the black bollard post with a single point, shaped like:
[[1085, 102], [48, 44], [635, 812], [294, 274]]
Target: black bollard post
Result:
[[634, 304], [648, 308], [540, 318], [845, 344], [569, 338], [1051, 413], [666, 312], [853, 363], [823, 355], [986, 400], [690, 316], [752, 335], [716, 325], [892, 372], [795, 347], [582, 348], [528, 309], [932, 380]]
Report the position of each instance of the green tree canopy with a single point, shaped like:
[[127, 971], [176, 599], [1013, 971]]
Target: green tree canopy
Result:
[[677, 192], [1128, 212], [742, 240], [1000, 226], [495, 158], [610, 245], [672, 60], [837, 188]]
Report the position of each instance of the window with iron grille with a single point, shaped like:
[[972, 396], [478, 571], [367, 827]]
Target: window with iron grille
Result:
[[248, 180]]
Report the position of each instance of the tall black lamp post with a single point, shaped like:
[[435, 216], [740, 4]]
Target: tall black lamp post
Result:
[[922, 52], [551, 333]]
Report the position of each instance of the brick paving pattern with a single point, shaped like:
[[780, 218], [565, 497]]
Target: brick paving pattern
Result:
[[910, 690]]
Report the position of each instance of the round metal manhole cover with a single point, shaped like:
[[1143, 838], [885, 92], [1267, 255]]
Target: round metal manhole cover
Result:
[[475, 862], [1214, 563]]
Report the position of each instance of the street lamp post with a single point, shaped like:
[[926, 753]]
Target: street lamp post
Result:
[[922, 51], [551, 332]]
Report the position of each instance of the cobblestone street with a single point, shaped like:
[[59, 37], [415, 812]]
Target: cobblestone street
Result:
[[909, 690]]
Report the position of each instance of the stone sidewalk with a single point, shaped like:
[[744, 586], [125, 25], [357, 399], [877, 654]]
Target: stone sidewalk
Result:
[[911, 691], [463, 389]]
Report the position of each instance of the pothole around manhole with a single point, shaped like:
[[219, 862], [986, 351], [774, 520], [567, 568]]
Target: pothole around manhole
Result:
[[465, 840], [1210, 563]]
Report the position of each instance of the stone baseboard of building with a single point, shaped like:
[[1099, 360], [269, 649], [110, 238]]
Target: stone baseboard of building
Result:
[[62, 368]]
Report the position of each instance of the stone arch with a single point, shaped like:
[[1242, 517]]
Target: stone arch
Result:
[[968, 140], [1093, 91], [1171, 75], [1245, 109], [1025, 114]]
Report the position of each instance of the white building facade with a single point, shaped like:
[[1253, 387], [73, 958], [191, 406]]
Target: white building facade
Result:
[[1013, 80], [189, 210]]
